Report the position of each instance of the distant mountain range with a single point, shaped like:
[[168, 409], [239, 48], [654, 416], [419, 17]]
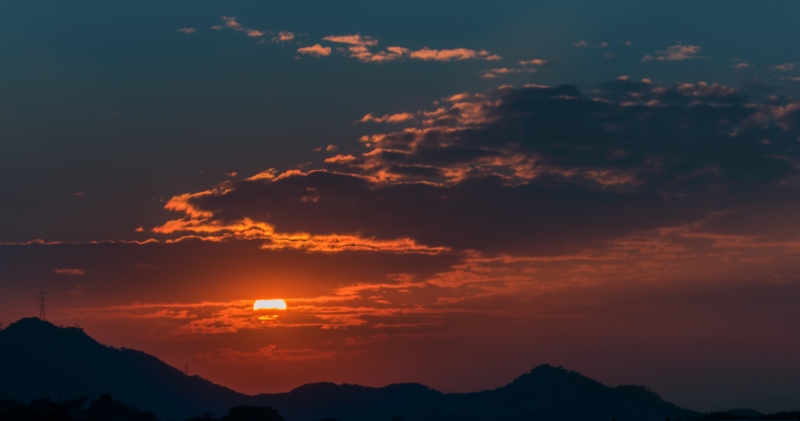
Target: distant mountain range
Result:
[[38, 359]]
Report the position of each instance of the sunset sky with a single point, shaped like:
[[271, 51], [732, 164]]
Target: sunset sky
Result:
[[447, 192]]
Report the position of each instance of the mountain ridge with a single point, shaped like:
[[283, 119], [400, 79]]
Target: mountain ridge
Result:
[[39, 359]]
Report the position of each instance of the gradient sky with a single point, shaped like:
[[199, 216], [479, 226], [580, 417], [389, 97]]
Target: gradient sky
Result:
[[443, 192]]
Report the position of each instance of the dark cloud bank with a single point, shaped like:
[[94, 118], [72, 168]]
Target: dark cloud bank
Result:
[[539, 170]]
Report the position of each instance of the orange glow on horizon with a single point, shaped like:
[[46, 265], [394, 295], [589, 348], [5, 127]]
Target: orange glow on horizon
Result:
[[274, 304]]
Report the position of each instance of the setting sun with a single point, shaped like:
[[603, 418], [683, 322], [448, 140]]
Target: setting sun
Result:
[[276, 304]]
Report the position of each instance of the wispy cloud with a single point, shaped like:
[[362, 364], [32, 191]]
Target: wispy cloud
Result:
[[356, 39], [785, 67], [678, 52], [533, 62], [70, 272], [586, 44], [187, 30], [232, 23], [502, 71], [268, 353], [387, 118], [455, 54]]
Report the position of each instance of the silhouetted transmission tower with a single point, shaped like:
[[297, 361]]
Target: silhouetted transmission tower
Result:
[[42, 304]]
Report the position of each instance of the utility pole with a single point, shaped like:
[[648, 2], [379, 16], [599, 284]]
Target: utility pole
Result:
[[42, 305]]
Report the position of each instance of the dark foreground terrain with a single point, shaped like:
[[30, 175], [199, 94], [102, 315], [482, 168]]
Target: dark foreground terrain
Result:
[[54, 373]]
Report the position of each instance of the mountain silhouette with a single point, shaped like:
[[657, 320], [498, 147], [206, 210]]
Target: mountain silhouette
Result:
[[38, 359]]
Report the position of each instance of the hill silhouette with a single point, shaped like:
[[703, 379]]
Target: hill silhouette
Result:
[[38, 359]]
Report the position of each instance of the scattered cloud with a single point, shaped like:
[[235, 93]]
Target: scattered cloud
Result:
[[361, 48], [533, 62], [387, 118], [455, 54], [502, 71], [586, 44], [329, 148], [187, 30], [785, 67], [315, 50], [678, 52], [232, 23], [356, 39], [284, 36]]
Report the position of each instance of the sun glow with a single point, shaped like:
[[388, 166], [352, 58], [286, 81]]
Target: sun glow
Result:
[[277, 304]]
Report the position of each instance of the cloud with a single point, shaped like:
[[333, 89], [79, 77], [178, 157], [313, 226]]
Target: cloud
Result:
[[268, 353], [70, 272], [330, 148], [232, 23], [502, 71], [187, 30], [387, 118], [315, 50], [533, 62], [532, 171], [362, 53], [785, 67], [455, 54], [742, 65], [678, 52], [356, 39], [359, 47], [586, 44], [284, 36]]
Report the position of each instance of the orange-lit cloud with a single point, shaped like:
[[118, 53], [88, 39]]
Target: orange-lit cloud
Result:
[[455, 54], [533, 62], [356, 39], [387, 118], [232, 23], [284, 36], [316, 50]]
